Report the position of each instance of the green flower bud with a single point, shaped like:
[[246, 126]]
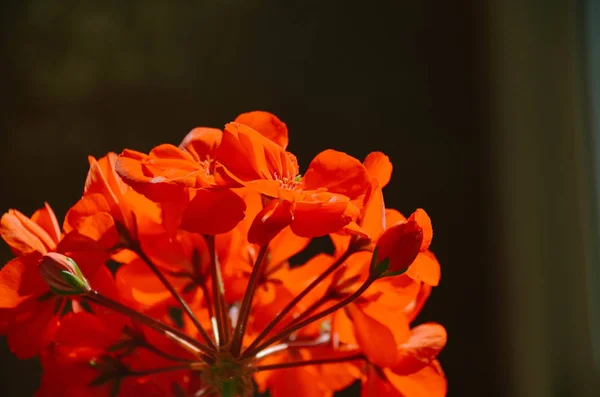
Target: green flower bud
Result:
[[63, 275]]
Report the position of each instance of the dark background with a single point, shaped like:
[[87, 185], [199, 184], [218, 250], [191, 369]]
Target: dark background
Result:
[[424, 82]]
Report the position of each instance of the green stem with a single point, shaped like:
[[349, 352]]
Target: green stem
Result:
[[310, 310], [164, 354], [184, 367], [292, 304], [200, 349], [290, 330], [200, 280], [333, 360], [176, 296], [242, 321], [320, 341], [222, 318]]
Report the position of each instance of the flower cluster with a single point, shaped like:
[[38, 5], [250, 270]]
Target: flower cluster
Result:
[[171, 276]]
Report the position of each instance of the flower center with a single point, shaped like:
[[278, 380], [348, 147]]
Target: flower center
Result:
[[209, 166], [289, 183]]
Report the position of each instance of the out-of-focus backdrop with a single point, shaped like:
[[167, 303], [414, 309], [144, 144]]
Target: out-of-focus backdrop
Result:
[[487, 110]]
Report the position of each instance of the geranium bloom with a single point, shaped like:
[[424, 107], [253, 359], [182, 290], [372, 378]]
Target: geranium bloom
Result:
[[324, 199], [29, 310], [176, 274]]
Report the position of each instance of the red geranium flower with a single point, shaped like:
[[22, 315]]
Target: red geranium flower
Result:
[[183, 272]]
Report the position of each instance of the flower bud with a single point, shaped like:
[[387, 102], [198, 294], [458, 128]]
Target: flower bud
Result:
[[63, 275], [396, 249]]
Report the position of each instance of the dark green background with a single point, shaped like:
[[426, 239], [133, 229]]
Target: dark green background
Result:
[[432, 84]]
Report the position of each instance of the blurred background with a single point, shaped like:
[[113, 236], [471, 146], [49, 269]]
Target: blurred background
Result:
[[488, 110]]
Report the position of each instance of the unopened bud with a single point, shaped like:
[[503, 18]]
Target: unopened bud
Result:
[[396, 249], [63, 275]]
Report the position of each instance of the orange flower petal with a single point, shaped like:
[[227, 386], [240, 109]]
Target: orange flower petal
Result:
[[20, 279], [129, 167], [425, 343], [314, 219], [338, 173], [400, 244], [413, 309], [285, 245], [428, 382], [91, 242], [376, 384], [171, 210], [23, 235], [107, 166], [174, 252], [298, 278], [85, 330], [393, 216], [97, 183], [379, 166], [213, 212], [395, 293], [269, 188], [342, 330], [375, 339], [37, 230], [421, 217], [202, 142], [341, 242], [267, 124], [136, 208], [86, 206], [272, 219], [183, 172], [46, 218], [270, 299], [247, 156], [338, 376], [425, 268], [297, 382], [139, 285], [28, 337], [373, 218], [103, 281], [99, 228], [170, 152], [391, 317], [353, 229]]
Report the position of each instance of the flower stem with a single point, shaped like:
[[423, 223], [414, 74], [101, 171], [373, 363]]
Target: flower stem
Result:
[[289, 330], [321, 340], [332, 360], [164, 354], [195, 366], [290, 306], [240, 326], [220, 307], [200, 280], [200, 349], [176, 296]]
